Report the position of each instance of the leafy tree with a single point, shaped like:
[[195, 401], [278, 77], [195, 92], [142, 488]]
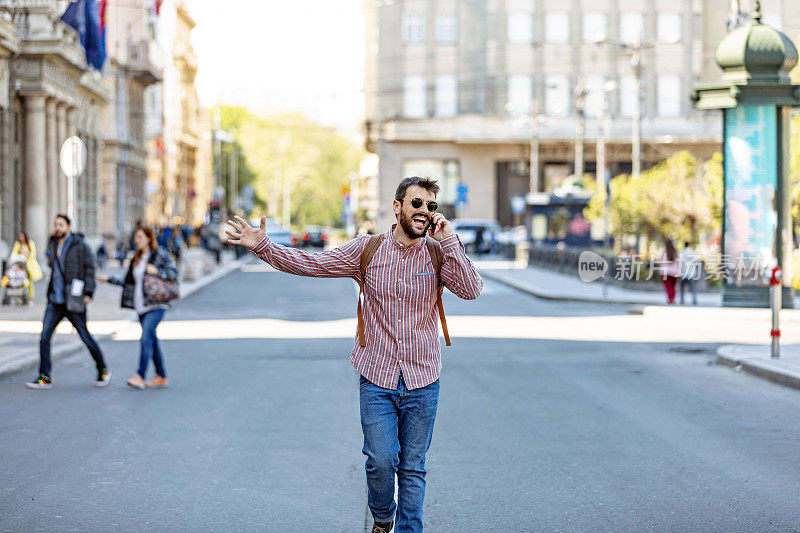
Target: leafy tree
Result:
[[291, 150], [672, 199]]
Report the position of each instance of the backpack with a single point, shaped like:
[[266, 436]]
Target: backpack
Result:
[[435, 251]]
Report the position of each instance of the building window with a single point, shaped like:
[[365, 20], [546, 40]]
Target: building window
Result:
[[670, 96], [414, 105], [520, 28], [446, 171], [669, 27], [413, 27], [446, 96], [556, 96], [446, 29], [631, 26], [594, 27], [519, 95], [594, 95], [627, 96], [556, 27]]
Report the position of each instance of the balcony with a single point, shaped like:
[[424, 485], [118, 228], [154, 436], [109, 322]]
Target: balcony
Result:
[[144, 63]]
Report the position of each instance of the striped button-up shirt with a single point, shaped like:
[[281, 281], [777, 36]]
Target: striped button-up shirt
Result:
[[400, 291]]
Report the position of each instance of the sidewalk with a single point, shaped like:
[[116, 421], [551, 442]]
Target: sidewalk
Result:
[[550, 285], [752, 358], [755, 359], [20, 326]]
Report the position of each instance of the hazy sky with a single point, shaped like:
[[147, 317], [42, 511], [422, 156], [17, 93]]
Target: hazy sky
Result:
[[272, 55]]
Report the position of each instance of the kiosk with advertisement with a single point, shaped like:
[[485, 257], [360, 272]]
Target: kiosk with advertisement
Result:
[[755, 96]]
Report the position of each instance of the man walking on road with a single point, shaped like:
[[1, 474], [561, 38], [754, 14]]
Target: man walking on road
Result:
[[397, 351], [70, 290]]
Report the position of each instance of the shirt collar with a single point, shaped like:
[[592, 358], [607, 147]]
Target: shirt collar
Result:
[[395, 242]]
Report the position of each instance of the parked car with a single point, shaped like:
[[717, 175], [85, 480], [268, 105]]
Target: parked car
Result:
[[477, 235], [280, 235], [513, 236], [277, 233], [313, 236]]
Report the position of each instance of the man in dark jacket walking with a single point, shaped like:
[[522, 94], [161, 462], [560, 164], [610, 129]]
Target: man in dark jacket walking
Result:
[[71, 261]]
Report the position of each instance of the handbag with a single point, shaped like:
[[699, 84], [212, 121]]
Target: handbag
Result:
[[159, 291]]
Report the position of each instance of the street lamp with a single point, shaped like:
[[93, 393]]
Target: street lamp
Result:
[[536, 122], [603, 175], [580, 127], [635, 50], [537, 119]]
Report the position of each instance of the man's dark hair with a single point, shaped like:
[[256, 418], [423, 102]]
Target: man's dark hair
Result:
[[428, 184], [65, 217]]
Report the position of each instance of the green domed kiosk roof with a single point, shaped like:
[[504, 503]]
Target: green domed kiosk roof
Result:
[[756, 53]]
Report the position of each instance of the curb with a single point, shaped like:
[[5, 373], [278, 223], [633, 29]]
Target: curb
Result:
[[771, 370], [527, 289], [30, 358]]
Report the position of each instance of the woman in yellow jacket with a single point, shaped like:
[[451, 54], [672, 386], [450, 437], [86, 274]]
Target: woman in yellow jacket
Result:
[[27, 248]]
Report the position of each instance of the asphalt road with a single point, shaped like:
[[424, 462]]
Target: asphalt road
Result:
[[259, 430]]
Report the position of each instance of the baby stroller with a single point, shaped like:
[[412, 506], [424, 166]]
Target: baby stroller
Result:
[[15, 282]]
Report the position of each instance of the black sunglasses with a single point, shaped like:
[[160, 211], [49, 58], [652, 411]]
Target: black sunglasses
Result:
[[416, 203]]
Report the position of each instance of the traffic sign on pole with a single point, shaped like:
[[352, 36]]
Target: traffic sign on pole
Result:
[[73, 162]]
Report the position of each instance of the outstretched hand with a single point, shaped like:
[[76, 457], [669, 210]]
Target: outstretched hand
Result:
[[245, 234]]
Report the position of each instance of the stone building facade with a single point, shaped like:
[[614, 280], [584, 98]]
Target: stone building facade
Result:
[[11, 132], [452, 88], [49, 94], [181, 176], [133, 65]]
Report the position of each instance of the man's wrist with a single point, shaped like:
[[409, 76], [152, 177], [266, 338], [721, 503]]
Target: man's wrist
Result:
[[261, 246], [450, 242]]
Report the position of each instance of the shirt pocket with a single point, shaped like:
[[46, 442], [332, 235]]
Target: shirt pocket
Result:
[[423, 285]]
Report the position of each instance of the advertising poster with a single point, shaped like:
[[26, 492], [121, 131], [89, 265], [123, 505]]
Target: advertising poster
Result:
[[751, 160]]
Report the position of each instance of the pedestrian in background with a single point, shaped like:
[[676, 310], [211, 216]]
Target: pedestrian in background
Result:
[[175, 244], [691, 270], [669, 267], [149, 260], [120, 252], [132, 238], [26, 247], [68, 295], [397, 351], [102, 255]]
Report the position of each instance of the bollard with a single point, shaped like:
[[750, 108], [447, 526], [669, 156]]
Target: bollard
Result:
[[775, 287], [522, 254]]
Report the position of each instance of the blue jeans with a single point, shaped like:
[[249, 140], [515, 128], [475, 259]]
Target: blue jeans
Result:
[[54, 314], [691, 283], [398, 427], [150, 348]]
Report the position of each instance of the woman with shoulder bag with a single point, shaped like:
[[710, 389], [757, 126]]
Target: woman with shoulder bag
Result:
[[151, 282]]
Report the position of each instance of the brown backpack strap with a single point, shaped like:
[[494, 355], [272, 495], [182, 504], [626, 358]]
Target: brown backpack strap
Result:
[[435, 251], [366, 256]]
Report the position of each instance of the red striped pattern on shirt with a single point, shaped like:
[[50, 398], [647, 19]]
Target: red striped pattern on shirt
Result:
[[400, 314]]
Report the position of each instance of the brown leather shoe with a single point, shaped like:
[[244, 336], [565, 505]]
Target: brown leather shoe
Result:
[[157, 382], [380, 527], [136, 382]]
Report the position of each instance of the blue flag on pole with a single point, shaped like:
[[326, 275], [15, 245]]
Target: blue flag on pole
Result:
[[75, 16], [86, 17]]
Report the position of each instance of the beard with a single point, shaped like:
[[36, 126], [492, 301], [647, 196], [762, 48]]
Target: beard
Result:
[[407, 224]]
